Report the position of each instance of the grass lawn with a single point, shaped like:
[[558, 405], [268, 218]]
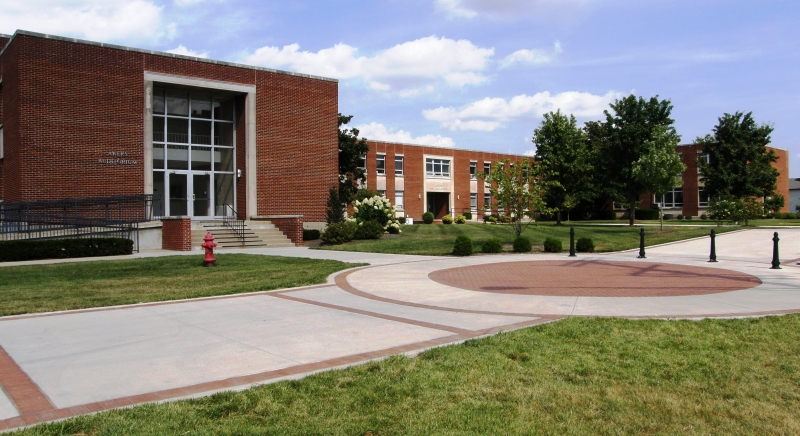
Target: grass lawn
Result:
[[438, 239], [575, 377], [45, 288]]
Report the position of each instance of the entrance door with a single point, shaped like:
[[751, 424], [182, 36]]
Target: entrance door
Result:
[[438, 204], [189, 194]]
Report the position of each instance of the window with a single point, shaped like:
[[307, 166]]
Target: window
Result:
[[362, 162], [487, 201], [382, 193], [437, 168], [2, 150], [398, 165], [486, 167], [473, 201], [702, 157], [399, 199], [703, 197], [380, 165], [473, 169], [672, 198]]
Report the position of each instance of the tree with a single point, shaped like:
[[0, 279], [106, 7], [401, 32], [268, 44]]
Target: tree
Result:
[[561, 154], [660, 169], [739, 164], [335, 207], [619, 141], [518, 188], [351, 150]]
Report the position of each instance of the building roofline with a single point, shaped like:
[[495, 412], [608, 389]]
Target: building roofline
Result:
[[442, 148], [768, 146], [158, 53]]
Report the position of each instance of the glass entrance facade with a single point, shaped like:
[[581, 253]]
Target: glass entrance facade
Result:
[[193, 153]]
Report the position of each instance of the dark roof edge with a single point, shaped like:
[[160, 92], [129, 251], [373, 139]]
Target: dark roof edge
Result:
[[160, 53], [768, 146], [443, 148]]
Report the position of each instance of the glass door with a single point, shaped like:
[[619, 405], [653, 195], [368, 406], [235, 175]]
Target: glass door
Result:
[[201, 195], [178, 194]]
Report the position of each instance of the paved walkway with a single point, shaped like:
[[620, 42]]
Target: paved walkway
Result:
[[68, 363]]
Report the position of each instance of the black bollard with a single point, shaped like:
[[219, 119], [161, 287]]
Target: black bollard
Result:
[[776, 262], [713, 256], [641, 244], [572, 242]]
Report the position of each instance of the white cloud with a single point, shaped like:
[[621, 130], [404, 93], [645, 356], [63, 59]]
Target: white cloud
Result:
[[457, 63], [99, 20], [544, 10], [531, 57], [181, 50], [491, 113], [453, 8], [531, 152], [379, 132]]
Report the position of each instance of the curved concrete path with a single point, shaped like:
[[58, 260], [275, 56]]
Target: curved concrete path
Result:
[[67, 363]]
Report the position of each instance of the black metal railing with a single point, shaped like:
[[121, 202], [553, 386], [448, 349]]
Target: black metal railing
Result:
[[231, 220], [117, 216]]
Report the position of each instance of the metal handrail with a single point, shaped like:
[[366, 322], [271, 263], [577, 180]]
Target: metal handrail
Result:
[[232, 221], [115, 216]]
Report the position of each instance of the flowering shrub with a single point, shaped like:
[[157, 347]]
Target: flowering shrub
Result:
[[461, 219], [378, 209], [447, 219]]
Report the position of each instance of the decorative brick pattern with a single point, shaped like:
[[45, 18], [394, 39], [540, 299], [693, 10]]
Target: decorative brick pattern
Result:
[[176, 233], [290, 225]]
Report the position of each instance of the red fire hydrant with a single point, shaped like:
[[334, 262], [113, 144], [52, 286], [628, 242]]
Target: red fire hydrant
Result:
[[209, 245]]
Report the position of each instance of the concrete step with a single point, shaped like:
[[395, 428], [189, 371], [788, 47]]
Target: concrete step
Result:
[[257, 234]]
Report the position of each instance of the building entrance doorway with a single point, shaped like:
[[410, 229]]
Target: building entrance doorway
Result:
[[438, 204]]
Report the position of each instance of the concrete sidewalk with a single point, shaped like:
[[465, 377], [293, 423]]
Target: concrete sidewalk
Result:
[[68, 363]]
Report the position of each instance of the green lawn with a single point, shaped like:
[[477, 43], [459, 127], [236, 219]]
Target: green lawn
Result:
[[45, 288], [574, 377], [438, 239]]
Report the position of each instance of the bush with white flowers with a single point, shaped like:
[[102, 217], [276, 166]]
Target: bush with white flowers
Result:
[[377, 208]]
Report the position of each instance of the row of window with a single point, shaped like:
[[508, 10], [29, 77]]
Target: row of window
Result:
[[437, 168], [399, 200], [674, 198]]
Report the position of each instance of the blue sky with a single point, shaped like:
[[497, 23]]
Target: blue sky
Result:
[[478, 74]]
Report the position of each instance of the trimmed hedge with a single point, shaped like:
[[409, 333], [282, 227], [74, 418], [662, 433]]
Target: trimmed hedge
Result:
[[427, 218], [584, 245], [447, 219], [492, 245], [646, 214], [339, 233], [369, 230], [606, 215], [552, 245], [461, 219], [310, 234], [13, 251], [468, 215], [463, 246], [522, 245]]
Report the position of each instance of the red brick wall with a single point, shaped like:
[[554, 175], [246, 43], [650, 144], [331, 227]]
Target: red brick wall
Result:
[[176, 234], [68, 104], [291, 226], [414, 173]]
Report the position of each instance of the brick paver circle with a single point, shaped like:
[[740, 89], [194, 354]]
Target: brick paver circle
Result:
[[594, 279]]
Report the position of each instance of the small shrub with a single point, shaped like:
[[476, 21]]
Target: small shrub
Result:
[[368, 230], [393, 230], [492, 245], [463, 246], [427, 218], [339, 233], [552, 245], [310, 234], [522, 245], [468, 215], [668, 216], [505, 219], [447, 219], [461, 219], [703, 217], [646, 214], [679, 217], [688, 217], [584, 245], [491, 218]]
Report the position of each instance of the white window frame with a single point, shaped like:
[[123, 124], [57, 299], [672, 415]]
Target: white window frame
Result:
[[673, 204], [700, 202], [473, 169], [487, 166], [362, 164], [702, 157], [487, 201], [401, 159], [378, 170], [473, 201], [437, 168], [399, 200]]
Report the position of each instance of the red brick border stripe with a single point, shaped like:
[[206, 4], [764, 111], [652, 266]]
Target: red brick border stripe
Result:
[[25, 394]]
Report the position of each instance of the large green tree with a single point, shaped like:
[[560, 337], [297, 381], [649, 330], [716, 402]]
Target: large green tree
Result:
[[659, 170], [562, 157], [618, 142], [739, 163], [518, 188], [351, 148]]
